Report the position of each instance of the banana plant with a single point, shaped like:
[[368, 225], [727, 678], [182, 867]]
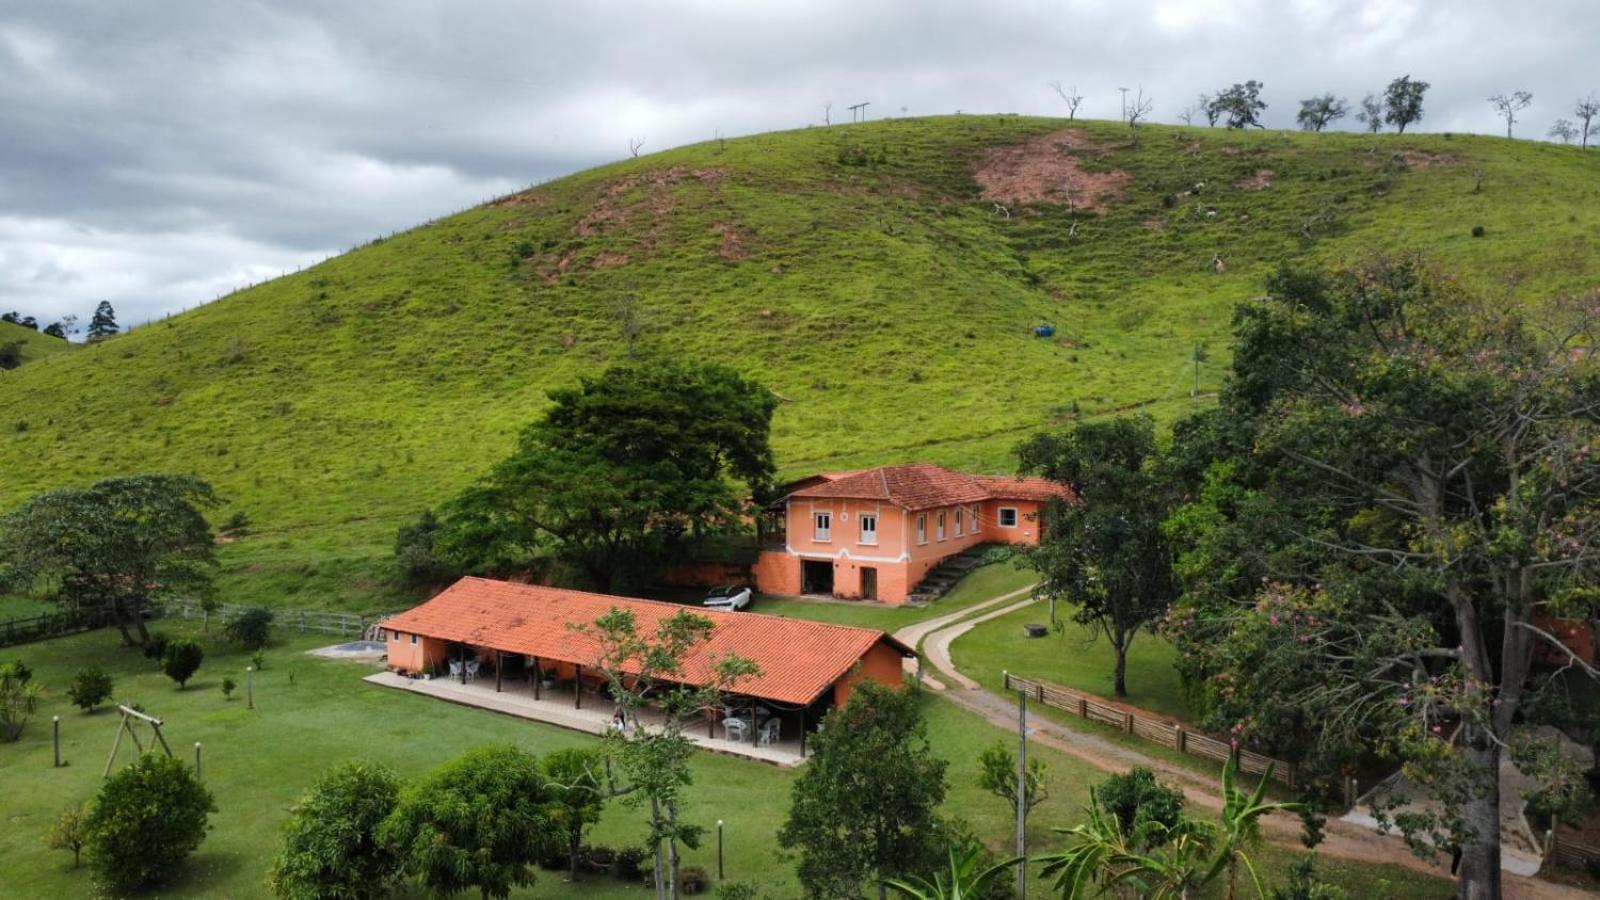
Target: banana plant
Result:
[[1241, 827], [967, 878]]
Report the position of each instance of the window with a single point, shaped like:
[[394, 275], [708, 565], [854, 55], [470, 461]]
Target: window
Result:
[[824, 531], [959, 516], [869, 529], [976, 520], [922, 528], [413, 639], [939, 530], [383, 634], [1008, 517]]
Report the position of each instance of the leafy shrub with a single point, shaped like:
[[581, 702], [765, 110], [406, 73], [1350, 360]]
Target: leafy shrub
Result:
[[19, 698], [228, 684], [737, 890], [258, 659], [1305, 885], [329, 848], [251, 629], [182, 660], [1477, 231], [1136, 798], [630, 863], [996, 555], [70, 832], [147, 819], [156, 647], [236, 526], [91, 687], [693, 879], [415, 550]]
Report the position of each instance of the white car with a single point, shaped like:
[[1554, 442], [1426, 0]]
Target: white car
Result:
[[729, 597]]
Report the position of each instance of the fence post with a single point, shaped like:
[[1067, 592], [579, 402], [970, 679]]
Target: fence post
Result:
[[1128, 722], [1182, 740], [1083, 708]]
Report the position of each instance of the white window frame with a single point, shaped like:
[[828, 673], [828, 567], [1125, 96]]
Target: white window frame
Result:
[[1001, 521], [938, 528], [864, 518], [961, 515], [822, 527], [977, 519], [922, 528], [413, 639]]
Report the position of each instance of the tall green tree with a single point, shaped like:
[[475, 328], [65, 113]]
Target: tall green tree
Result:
[[103, 323], [1239, 106], [621, 473], [648, 668], [330, 847], [1418, 469], [479, 821], [864, 809], [576, 776], [114, 546], [1105, 551], [1402, 102]]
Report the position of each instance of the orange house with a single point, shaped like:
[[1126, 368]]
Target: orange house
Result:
[[875, 535], [517, 628]]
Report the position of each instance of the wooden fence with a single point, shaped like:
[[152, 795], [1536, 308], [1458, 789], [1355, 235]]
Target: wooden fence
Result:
[[1568, 852], [1167, 734], [302, 620], [48, 625]]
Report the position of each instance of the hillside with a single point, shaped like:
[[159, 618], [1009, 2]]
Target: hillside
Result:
[[35, 346], [882, 278]]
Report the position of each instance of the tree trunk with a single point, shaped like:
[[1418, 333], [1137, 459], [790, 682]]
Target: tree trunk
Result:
[[672, 851], [1480, 854], [1120, 677], [574, 842], [655, 828]]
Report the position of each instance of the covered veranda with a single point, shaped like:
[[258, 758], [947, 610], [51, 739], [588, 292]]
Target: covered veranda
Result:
[[590, 710]]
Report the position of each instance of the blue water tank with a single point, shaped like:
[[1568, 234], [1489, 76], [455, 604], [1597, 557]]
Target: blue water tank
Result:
[[1044, 331]]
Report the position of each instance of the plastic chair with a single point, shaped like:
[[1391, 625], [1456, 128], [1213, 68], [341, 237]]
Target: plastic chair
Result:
[[735, 729], [769, 731], [472, 670], [455, 670]]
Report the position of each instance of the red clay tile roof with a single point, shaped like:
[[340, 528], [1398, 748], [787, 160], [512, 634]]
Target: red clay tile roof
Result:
[[799, 659], [924, 485]]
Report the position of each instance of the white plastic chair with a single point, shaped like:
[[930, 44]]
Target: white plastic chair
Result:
[[735, 729], [455, 670], [768, 733], [472, 670]]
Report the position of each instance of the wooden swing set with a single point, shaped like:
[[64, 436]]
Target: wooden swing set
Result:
[[131, 718]]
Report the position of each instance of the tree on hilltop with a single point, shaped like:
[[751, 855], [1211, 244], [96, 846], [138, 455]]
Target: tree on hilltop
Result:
[[1371, 114], [1402, 102], [1239, 106], [1585, 111], [1506, 106], [104, 322], [1318, 113]]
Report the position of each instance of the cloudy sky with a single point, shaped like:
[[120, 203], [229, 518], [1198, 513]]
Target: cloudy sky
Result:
[[157, 154]]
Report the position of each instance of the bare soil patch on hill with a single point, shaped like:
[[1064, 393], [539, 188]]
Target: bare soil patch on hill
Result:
[[1048, 169]]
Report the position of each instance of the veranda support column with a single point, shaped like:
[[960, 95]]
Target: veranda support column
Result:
[[462, 657], [499, 664], [538, 676], [577, 688], [752, 721]]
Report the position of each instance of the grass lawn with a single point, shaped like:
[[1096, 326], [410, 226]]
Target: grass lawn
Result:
[[980, 584], [313, 713], [1075, 658]]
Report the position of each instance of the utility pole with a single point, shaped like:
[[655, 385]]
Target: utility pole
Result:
[[1022, 793], [858, 112], [1124, 103]]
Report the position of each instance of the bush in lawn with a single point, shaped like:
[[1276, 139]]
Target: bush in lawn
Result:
[[630, 864], [251, 629], [1305, 885], [182, 660], [738, 890], [147, 818], [70, 831], [228, 684], [693, 879], [91, 687], [156, 647], [259, 660], [329, 843], [479, 821], [19, 697], [1136, 798]]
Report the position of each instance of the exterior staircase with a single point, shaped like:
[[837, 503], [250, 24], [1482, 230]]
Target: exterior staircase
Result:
[[944, 576]]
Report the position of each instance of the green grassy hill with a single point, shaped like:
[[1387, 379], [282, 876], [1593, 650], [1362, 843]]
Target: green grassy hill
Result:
[[882, 278], [35, 346]]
